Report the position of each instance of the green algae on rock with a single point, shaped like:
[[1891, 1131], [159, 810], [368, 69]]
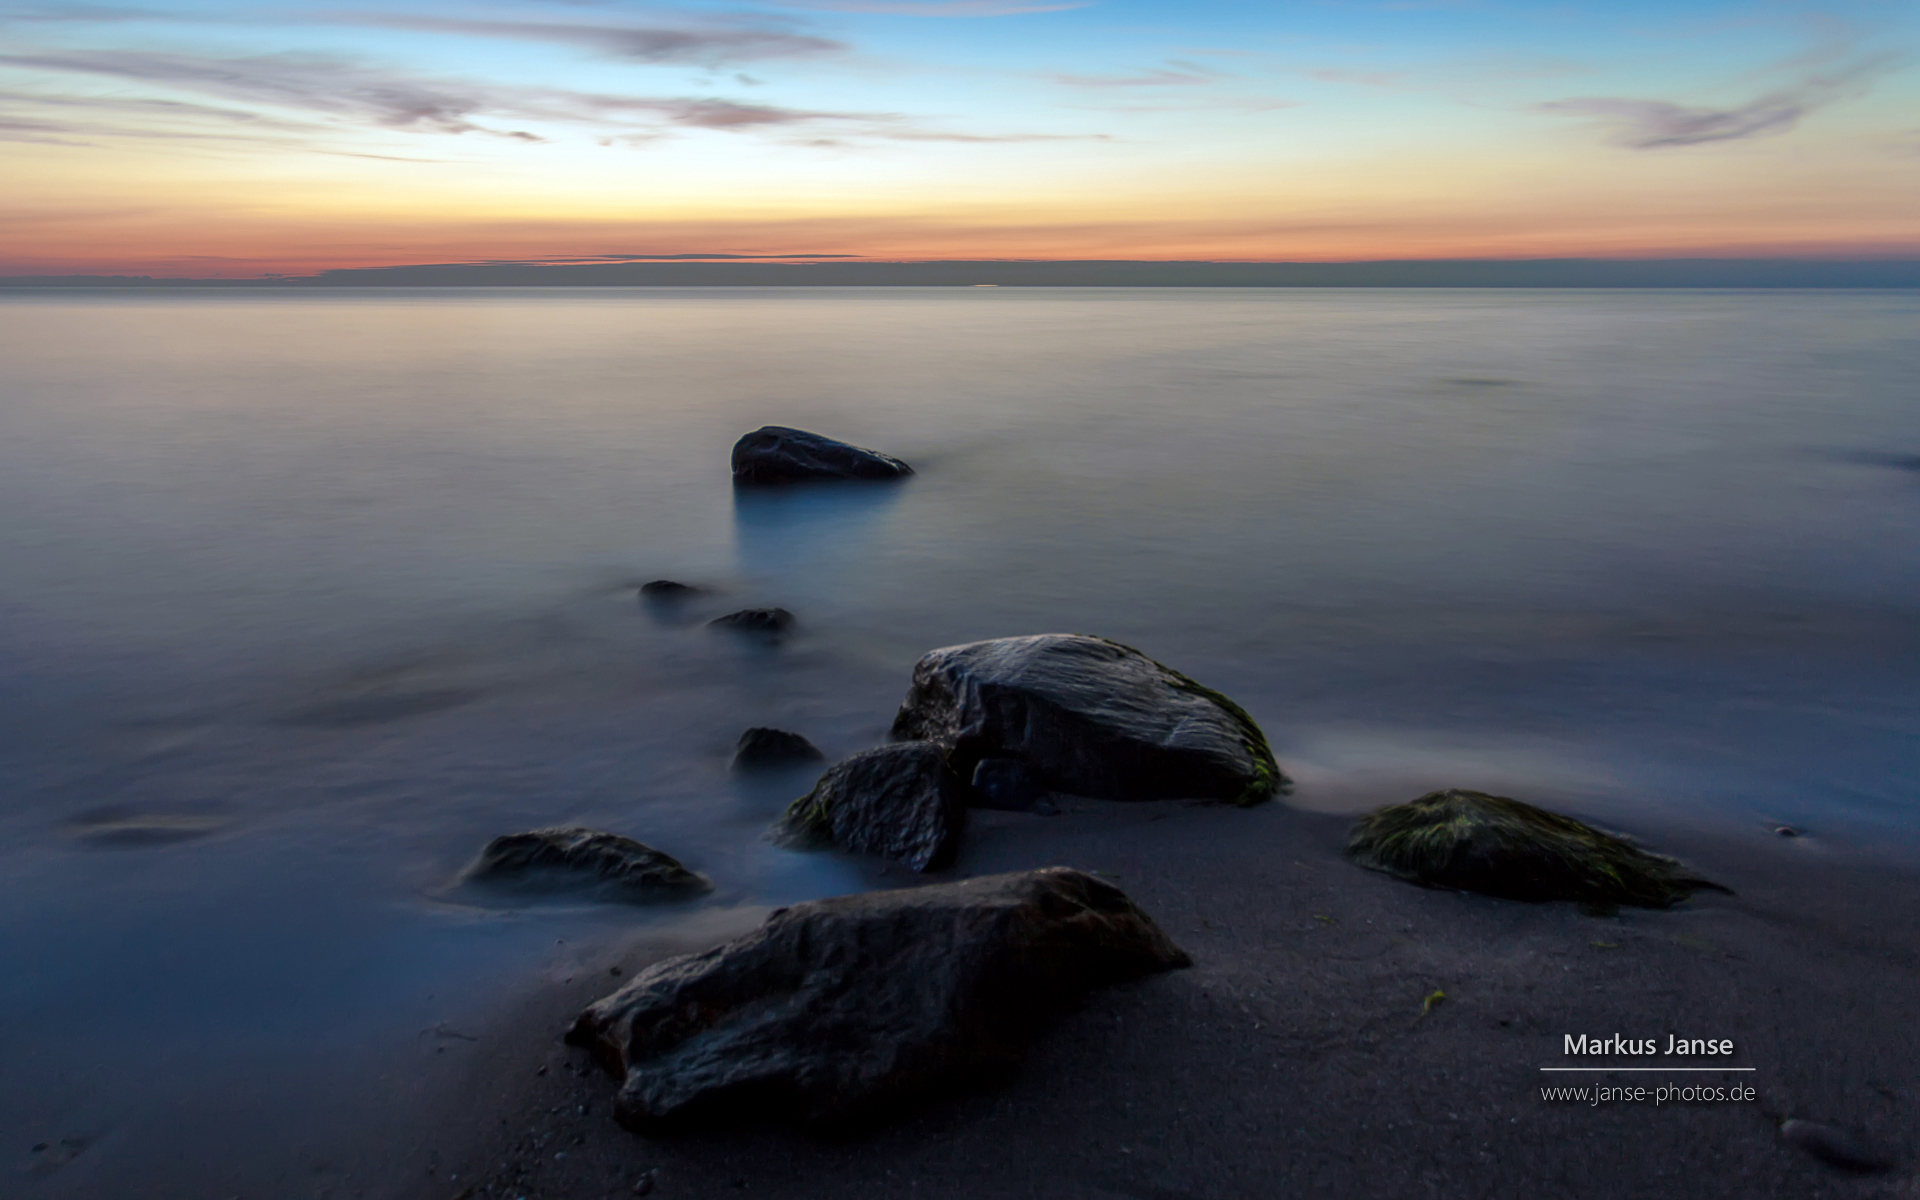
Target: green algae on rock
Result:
[[1473, 842], [1091, 717]]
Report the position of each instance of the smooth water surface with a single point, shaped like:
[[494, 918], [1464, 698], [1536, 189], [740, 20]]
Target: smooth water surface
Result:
[[304, 596]]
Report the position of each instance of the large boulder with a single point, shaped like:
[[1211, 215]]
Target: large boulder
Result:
[[1473, 842], [604, 865], [1092, 717], [900, 801], [776, 454], [840, 1011]]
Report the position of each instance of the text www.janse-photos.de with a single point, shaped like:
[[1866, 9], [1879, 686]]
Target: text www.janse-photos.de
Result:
[[1687, 1050]]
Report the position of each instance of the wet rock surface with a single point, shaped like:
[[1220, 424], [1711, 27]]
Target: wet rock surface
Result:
[[767, 622], [776, 454], [763, 748], [844, 1011], [1090, 717], [1010, 785], [901, 802], [1473, 842], [603, 865]]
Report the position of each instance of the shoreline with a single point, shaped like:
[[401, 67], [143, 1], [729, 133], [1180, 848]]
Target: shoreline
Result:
[[1298, 1053]]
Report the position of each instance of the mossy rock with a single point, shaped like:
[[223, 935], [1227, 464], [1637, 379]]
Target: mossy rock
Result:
[[1088, 716], [900, 802], [1473, 842]]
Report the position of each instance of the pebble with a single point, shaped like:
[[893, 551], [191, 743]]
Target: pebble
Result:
[[1835, 1147]]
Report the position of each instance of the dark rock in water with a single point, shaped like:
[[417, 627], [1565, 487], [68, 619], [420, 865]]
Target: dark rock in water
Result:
[[1787, 831], [844, 1011], [900, 801], [776, 454], [1835, 1147], [605, 865], [1473, 842], [1009, 785], [762, 747], [768, 621], [667, 589], [1092, 717]]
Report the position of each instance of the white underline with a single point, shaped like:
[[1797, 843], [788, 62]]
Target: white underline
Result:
[[1649, 1068]]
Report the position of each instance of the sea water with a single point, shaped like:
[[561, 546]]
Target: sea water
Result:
[[304, 596]]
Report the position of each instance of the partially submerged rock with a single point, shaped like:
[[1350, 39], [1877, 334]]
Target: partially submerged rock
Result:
[[668, 589], [605, 865], [762, 747], [900, 801], [776, 454], [1091, 717], [843, 1011], [1473, 842], [768, 622]]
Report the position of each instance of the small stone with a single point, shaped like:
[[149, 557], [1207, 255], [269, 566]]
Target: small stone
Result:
[[606, 865], [1787, 831], [667, 589], [766, 621], [763, 747], [643, 1186], [1835, 1147]]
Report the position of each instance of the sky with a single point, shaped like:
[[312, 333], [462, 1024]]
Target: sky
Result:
[[237, 140]]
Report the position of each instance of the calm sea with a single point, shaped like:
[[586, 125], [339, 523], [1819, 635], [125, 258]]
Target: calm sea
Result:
[[304, 597]]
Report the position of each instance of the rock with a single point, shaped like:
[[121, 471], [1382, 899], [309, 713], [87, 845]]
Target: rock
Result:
[[1473, 842], [1092, 717], [1787, 831], [1009, 785], [606, 865], [771, 622], [762, 747], [840, 1012], [900, 801], [667, 589], [776, 454], [1835, 1147]]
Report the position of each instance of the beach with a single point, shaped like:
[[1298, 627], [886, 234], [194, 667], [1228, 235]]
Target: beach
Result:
[[292, 634], [1296, 1054]]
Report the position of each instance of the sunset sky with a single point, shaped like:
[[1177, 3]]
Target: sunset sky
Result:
[[237, 139]]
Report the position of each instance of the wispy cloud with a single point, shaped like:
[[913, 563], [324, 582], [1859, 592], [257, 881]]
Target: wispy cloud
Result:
[[337, 91], [706, 47], [75, 13], [933, 8], [1656, 124], [1178, 72], [1364, 78], [316, 83]]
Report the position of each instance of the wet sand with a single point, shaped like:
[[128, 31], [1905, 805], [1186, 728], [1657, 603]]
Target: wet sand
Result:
[[1298, 1056]]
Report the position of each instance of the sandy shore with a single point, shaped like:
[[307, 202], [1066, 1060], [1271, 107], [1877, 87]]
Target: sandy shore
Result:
[[1297, 1056]]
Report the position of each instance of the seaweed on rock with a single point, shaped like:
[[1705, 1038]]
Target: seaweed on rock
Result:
[[1268, 779], [1472, 842]]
